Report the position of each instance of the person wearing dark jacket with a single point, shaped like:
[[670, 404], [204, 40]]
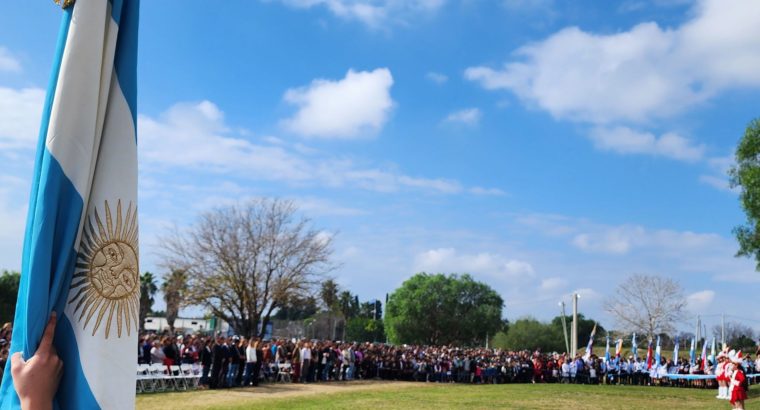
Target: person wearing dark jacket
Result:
[[206, 357], [219, 358]]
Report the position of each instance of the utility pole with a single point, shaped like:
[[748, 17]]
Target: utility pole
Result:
[[574, 332], [723, 330], [564, 326]]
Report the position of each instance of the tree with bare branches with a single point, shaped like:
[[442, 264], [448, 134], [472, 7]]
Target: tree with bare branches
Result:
[[244, 261], [648, 305]]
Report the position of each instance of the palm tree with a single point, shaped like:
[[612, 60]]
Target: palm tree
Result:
[[148, 291], [174, 287]]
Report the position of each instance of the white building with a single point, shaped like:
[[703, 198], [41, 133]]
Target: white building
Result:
[[184, 325]]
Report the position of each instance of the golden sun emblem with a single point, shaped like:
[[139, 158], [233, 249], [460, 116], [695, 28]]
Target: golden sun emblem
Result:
[[106, 280]]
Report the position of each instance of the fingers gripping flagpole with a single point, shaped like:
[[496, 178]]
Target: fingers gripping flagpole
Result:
[[80, 255]]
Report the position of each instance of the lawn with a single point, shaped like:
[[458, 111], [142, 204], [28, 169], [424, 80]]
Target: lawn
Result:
[[405, 395]]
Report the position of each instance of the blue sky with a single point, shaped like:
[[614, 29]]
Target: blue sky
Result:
[[544, 146]]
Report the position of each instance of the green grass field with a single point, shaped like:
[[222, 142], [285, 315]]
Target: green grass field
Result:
[[403, 395]]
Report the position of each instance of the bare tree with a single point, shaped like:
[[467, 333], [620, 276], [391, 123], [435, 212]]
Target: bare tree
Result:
[[245, 261], [647, 305], [733, 331]]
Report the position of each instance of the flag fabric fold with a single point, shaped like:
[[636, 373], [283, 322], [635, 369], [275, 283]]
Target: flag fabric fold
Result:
[[80, 254], [649, 355]]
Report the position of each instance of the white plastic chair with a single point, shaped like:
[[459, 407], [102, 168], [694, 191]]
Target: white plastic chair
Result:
[[177, 377], [145, 381], [188, 375], [161, 379], [283, 373]]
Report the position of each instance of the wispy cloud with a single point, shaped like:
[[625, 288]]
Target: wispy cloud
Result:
[[467, 116], [8, 62]]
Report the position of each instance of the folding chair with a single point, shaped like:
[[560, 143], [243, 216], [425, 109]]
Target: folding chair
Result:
[[283, 373], [177, 377], [145, 381], [161, 379], [191, 382]]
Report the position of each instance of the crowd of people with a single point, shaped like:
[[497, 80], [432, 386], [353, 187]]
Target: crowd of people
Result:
[[234, 361], [5, 344]]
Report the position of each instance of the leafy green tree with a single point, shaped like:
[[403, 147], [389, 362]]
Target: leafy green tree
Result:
[[362, 329], [585, 326], [329, 294], [297, 308], [528, 333], [349, 304], [9, 282], [148, 291], [745, 175], [443, 309]]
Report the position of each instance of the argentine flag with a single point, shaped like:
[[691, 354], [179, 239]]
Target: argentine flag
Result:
[[657, 353], [80, 255]]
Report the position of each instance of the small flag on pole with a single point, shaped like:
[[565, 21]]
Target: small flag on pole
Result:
[[607, 351], [634, 347], [590, 346], [675, 351], [649, 355], [618, 349], [692, 352], [80, 254], [704, 355], [657, 352]]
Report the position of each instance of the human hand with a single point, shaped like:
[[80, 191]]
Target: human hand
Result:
[[36, 380]]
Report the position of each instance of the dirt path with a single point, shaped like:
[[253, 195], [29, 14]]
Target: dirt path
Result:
[[206, 398]]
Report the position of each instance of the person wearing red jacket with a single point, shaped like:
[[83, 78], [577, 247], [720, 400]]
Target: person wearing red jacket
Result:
[[738, 385]]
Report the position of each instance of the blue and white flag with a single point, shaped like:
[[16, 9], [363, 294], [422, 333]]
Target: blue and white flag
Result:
[[693, 352], [633, 347], [607, 351], [675, 351], [590, 346], [657, 353], [712, 351], [80, 255]]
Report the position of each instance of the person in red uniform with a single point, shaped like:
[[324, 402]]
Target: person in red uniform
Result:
[[738, 385]]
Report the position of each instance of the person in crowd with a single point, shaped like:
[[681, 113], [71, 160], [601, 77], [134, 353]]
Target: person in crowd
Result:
[[219, 358], [305, 362], [206, 358], [157, 355], [738, 384], [250, 362], [233, 361]]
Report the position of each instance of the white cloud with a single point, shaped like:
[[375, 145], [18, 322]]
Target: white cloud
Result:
[[645, 73], [699, 301], [624, 140], [449, 260], [208, 143], [487, 191], [551, 284], [437, 78], [618, 240], [20, 112], [718, 179], [355, 106], [373, 13], [467, 116], [8, 62], [13, 195]]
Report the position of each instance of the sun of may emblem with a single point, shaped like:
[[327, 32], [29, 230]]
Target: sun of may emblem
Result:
[[106, 284]]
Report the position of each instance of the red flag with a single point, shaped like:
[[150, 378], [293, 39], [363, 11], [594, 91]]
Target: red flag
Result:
[[649, 356]]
